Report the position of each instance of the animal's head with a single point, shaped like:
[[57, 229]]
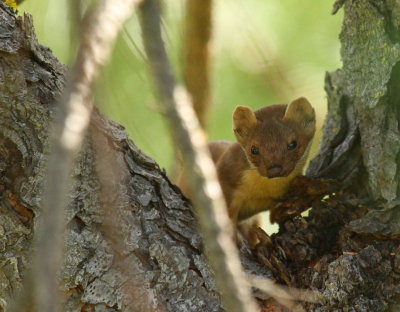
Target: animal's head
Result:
[[275, 138]]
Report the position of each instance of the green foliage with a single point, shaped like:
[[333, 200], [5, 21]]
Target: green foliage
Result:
[[264, 52]]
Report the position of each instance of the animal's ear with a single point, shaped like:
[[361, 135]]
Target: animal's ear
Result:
[[302, 113], [243, 121]]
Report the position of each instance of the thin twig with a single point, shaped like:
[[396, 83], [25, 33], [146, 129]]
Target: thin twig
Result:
[[196, 53], [286, 296], [133, 46], [207, 197], [74, 20], [98, 35]]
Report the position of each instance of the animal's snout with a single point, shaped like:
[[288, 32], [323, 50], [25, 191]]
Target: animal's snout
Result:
[[274, 171]]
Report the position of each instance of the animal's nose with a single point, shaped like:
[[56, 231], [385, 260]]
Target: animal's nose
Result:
[[274, 171]]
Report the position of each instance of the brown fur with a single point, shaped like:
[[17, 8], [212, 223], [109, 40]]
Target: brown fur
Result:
[[248, 183]]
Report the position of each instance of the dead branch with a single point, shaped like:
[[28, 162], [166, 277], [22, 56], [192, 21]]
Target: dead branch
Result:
[[196, 60], [283, 294], [207, 198]]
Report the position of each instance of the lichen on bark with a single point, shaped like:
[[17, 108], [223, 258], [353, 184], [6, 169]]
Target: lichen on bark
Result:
[[131, 239], [360, 147], [346, 249], [363, 101], [30, 80]]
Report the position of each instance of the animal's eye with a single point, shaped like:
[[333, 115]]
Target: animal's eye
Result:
[[254, 150], [292, 145]]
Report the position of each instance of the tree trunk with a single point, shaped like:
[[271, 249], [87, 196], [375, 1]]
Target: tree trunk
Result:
[[132, 243], [348, 247], [131, 240]]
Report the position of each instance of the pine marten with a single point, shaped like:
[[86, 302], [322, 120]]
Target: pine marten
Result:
[[271, 149]]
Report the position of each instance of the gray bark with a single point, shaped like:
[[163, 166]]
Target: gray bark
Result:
[[347, 249], [362, 125], [352, 245], [131, 242], [201, 175]]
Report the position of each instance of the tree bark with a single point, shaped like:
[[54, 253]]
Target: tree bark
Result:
[[151, 261], [347, 249], [132, 242], [361, 128]]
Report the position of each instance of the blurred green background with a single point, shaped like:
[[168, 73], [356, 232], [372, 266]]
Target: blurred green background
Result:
[[264, 52]]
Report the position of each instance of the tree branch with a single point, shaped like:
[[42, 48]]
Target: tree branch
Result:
[[191, 139], [70, 126], [196, 54], [286, 296]]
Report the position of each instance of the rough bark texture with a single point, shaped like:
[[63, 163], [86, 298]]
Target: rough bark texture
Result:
[[132, 242], [152, 259], [30, 79], [348, 246], [347, 249], [362, 129], [201, 175]]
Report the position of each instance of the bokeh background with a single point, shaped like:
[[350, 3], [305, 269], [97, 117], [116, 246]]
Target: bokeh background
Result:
[[264, 52]]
